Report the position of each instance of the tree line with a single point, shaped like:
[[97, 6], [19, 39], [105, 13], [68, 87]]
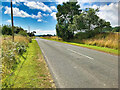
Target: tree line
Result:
[[71, 19], [7, 30]]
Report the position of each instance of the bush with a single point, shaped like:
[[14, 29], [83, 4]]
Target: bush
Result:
[[21, 48], [6, 30], [23, 33], [11, 52]]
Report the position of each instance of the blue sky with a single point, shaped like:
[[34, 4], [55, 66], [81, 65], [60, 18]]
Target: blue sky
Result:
[[41, 16]]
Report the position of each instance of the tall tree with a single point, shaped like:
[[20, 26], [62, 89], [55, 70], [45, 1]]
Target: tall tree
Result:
[[91, 18], [65, 15]]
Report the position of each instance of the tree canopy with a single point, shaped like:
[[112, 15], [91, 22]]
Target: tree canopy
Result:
[[65, 15], [71, 18]]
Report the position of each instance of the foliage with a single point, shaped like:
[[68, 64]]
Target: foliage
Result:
[[10, 56], [87, 23], [21, 48], [65, 16], [31, 33], [116, 29], [23, 33], [6, 30], [18, 29], [32, 71]]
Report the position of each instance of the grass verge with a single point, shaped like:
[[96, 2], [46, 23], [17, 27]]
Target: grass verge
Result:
[[103, 49], [32, 72]]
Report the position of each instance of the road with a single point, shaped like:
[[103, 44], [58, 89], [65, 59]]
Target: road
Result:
[[77, 67]]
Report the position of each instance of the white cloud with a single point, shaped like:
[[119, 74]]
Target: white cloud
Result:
[[53, 8], [39, 20], [109, 13], [37, 5], [21, 13], [41, 32], [53, 14], [16, 12], [61, 1], [97, 1], [8, 21], [45, 14], [37, 16]]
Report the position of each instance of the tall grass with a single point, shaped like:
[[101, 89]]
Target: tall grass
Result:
[[109, 41], [11, 51]]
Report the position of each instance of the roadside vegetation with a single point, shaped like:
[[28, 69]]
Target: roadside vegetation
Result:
[[23, 65], [85, 28]]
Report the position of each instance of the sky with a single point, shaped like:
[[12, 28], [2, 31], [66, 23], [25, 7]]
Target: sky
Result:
[[40, 15]]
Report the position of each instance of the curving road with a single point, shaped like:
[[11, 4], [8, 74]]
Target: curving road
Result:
[[78, 67]]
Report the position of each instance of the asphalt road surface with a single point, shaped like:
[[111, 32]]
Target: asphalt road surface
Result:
[[77, 67]]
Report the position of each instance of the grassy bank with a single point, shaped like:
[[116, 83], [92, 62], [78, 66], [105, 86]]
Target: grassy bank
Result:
[[32, 71], [103, 49]]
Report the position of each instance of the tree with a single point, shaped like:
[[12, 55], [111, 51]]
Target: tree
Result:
[[103, 25], [23, 33], [6, 30], [116, 29], [18, 29], [78, 23], [91, 18], [65, 15]]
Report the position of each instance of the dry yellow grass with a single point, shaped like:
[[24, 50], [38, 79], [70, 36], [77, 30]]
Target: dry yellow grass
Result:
[[53, 38], [110, 41]]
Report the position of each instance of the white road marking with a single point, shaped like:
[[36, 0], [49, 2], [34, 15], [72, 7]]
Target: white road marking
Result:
[[80, 54]]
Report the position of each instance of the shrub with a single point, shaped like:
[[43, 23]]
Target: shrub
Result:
[[21, 48], [10, 57], [23, 33], [6, 30]]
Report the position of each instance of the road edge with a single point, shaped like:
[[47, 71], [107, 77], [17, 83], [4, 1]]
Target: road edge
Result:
[[50, 69]]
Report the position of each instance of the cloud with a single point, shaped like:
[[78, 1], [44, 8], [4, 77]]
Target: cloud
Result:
[[109, 13], [21, 13], [53, 14], [37, 16], [41, 32], [61, 1], [8, 21], [45, 14], [16, 12], [88, 1], [53, 8], [39, 20], [38, 5]]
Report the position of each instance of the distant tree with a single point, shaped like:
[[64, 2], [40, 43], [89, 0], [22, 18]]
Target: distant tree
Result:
[[31, 33], [23, 33], [6, 30], [17, 29], [116, 29]]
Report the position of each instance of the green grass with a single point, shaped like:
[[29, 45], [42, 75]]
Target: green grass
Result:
[[103, 49], [32, 72]]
